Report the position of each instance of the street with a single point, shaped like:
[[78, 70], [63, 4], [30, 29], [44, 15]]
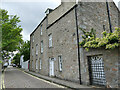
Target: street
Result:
[[15, 78]]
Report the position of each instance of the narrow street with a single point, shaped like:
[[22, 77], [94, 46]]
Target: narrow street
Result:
[[15, 78]]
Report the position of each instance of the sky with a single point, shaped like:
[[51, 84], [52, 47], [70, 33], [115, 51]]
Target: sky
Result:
[[31, 12]]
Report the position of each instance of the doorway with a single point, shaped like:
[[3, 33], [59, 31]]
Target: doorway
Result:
[[51, 67]]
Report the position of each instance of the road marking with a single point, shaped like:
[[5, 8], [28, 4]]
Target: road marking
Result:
[[1, 82], [43, 80]]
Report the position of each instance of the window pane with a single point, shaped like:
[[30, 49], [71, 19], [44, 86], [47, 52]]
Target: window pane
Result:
[[40, 63], [41, 30], [41, 46], [36, 64], [36, 49], [50, 41], [60, 63]]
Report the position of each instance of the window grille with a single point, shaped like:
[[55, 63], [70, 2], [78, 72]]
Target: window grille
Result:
[[96, 70]]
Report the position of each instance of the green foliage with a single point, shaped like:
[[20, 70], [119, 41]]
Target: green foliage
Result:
[[11, 32], [25, 50], [0, 61], [16, 59], [13, 61], [109, 40]]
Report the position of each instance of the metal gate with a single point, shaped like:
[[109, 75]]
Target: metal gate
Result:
[[96, 70]]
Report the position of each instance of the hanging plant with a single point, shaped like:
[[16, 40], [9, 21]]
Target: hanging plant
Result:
[[109, 40]]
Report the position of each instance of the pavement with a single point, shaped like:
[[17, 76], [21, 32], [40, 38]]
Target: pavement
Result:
[[65, 83]]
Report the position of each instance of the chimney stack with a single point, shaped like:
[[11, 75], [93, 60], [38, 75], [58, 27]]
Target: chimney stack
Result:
[[66, 1]]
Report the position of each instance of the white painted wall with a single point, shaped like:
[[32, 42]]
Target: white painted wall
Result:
[[21, 59], [23, 64], [10, 61]]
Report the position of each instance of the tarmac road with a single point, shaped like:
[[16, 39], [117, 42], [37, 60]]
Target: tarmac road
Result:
[[15, 78]]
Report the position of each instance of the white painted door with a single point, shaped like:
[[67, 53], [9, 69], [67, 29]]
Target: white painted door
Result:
[[51, 67]]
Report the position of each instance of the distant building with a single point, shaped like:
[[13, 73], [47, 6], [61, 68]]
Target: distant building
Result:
[[54, 47]]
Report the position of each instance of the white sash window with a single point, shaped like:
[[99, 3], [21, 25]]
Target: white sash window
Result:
[[60, 63], [41, 46], [50, 40]]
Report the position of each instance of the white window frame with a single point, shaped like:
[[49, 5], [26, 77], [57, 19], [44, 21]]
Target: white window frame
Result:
[[40, 64], [37, 64], [50, 40], [42, 46], [41, 31], [36, 49], [60, 63]]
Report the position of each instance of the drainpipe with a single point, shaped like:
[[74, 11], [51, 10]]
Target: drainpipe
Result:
[[108, 12], [78, 44]]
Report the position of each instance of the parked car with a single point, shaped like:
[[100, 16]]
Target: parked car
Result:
[[14, 65]]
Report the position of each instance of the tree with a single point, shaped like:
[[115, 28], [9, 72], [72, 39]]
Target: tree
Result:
[[11, 33], [0, 61], [25, 50], [16, 59]]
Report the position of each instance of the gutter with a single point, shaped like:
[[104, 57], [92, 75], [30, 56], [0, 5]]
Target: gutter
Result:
[[78, 44], [108, 11]]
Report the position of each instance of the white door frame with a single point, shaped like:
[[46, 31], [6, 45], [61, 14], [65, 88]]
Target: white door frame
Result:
[[51, 67]]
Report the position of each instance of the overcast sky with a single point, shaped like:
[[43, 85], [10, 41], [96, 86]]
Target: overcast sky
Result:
[[31, 12]]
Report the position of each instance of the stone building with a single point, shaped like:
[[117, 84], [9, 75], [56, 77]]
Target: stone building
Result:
[[54, 43]]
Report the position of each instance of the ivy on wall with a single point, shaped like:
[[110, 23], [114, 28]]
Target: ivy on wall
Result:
[[109, 40]]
